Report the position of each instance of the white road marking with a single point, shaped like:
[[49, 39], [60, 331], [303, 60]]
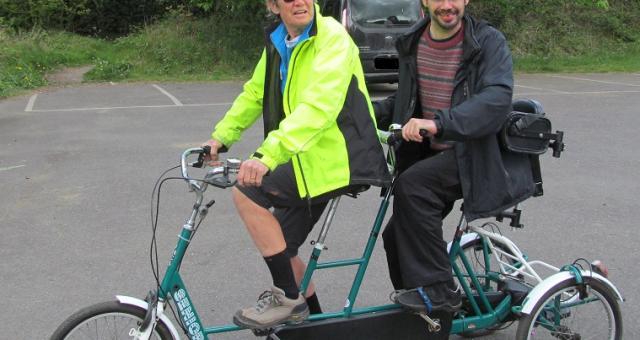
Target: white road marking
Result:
[[166, 93], [552, 92], [541, 89], [129, 107], [12, 167], [575, 93], [595, 81], [32, 101]]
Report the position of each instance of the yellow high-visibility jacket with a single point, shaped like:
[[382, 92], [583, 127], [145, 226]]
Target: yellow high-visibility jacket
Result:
[[323, 121]]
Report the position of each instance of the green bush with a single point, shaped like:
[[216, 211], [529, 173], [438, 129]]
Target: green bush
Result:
[[102, 18], [56, 14], [114, 18]]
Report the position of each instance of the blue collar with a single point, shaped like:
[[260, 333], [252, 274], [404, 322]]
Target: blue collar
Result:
[[278, 37]]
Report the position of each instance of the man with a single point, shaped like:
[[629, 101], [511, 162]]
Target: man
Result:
[[455, 82], [320, 142]]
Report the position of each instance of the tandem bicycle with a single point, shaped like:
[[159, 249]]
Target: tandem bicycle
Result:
[[501, 284]]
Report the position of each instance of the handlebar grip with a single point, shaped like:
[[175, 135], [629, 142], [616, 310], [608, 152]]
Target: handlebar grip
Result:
[[206, 151], [396, 136]]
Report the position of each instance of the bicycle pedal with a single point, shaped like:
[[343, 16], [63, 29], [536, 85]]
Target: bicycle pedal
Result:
[[262, 332], [271, 331], [434, 324]]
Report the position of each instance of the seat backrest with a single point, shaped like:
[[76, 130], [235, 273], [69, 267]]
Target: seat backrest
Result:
[[528, 106], [516, 137]]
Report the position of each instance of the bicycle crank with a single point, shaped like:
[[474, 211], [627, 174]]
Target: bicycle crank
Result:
[[434, 324]]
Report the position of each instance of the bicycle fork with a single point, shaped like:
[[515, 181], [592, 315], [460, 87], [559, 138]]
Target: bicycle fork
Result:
[[156, 308]]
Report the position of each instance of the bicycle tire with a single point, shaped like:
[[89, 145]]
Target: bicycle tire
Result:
[[535, 326], [111, 317]]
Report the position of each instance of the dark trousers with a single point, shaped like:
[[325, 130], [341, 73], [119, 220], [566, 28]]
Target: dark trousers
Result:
[[424, 194]]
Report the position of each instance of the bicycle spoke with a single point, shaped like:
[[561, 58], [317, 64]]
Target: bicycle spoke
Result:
[[565, 316]]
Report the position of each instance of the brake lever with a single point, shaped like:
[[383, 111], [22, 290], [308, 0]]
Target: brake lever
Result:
[[231, 166], [206, 151]]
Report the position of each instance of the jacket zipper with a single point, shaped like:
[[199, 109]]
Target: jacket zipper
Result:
[[291, 69], [412, 103]]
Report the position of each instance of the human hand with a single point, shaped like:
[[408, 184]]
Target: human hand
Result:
[[411, 130], [251, 173], [212, 158]]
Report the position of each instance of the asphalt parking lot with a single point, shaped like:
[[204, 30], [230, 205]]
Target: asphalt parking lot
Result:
[[77, 166]]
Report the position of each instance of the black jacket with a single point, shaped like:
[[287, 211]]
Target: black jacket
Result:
[[491, 179]]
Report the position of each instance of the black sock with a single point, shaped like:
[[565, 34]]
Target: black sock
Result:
[[314, 304], [282, 274]]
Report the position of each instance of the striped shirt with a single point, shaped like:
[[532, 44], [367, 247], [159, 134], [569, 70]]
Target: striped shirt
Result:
[[438, 62]]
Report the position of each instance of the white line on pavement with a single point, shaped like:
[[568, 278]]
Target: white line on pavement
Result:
[[12, 167], [166, 93], [541, 89], [596, 81], [574, 93], [129, 107], [32, 101]]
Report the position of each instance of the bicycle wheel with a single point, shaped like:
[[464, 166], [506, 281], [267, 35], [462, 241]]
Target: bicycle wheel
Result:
[[563, 314], [108, 320]]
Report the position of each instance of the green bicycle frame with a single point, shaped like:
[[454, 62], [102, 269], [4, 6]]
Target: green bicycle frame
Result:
[[484, 314]]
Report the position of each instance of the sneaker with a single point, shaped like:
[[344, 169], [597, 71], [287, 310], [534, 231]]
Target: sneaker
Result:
[[441, 296], [273, 308]]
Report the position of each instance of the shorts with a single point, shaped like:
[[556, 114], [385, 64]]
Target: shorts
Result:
[[296, 215]]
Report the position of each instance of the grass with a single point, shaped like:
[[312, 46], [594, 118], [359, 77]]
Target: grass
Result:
[[182, 48], [567, 35], [621, 58], [179, 48], [25, 58]]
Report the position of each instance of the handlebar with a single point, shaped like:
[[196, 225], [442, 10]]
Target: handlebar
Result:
[[393, 138], [217, 176], [394, 135]]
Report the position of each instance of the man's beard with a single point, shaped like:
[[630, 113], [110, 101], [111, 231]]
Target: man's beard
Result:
[[447, 25]]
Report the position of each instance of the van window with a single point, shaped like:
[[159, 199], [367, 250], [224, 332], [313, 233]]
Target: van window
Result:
[[331, 7], [385, 12]]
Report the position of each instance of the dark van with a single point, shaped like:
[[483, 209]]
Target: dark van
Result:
[[374, 25]]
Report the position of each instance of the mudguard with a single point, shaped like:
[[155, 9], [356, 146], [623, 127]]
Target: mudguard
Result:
[[466, 238], [128, 300], [538, 291]]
